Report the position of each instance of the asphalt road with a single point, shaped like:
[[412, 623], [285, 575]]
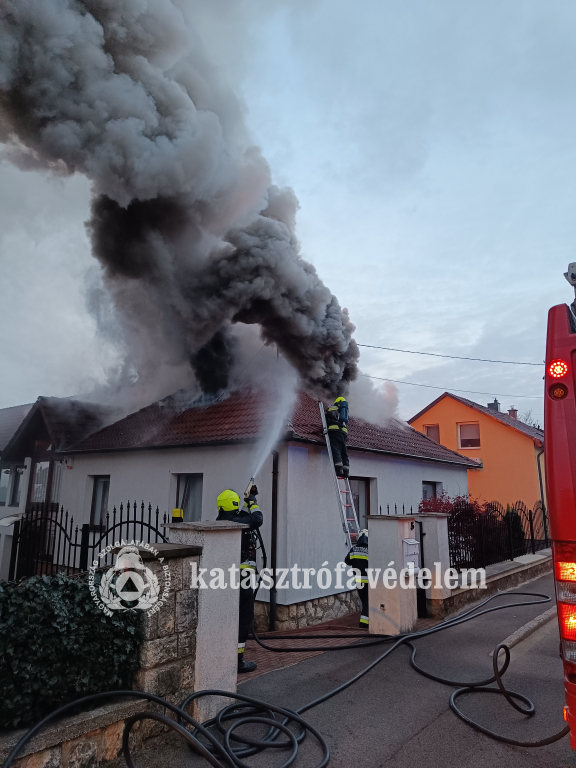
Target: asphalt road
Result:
[[396, 718]]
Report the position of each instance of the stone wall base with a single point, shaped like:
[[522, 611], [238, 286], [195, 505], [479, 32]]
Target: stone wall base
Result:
[[75, 742], [462, 598], [308, 613]]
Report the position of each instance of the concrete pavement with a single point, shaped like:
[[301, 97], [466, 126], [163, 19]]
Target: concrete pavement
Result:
[[395, 718]]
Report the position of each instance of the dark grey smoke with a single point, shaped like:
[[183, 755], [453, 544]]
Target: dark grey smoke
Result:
[[184, 217]]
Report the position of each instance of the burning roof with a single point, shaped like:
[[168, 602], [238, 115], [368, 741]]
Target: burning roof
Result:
[[242, 418]]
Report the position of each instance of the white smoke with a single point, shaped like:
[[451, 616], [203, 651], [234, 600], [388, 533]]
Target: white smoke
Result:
[[377, 404]]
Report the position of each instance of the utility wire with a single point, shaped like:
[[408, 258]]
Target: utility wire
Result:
[[451, 389], [452, 357]]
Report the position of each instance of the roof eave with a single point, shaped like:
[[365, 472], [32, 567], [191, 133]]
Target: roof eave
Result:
[[380, 451]]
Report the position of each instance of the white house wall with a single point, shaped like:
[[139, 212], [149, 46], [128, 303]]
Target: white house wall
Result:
[[314, 530], [309, 525], [149, 476]]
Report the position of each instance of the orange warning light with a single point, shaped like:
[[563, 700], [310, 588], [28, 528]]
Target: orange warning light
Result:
[[567, 615], [566, 571], [557, 369]]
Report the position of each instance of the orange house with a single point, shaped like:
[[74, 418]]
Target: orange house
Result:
[[510, 453]]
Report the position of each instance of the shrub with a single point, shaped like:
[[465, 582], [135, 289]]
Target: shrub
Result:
[[57, 646]]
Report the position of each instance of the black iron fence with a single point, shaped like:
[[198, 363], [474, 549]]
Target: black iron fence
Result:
[[493, 534], [47, 541]]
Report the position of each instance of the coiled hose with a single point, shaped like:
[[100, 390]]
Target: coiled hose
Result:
[[220, 744]]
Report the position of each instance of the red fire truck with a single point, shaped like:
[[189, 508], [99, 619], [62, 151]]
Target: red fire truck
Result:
[[560, 457]]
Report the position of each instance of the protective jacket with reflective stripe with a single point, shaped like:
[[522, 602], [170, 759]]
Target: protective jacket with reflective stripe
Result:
[[357, 557], [250, 515], [337, 417]]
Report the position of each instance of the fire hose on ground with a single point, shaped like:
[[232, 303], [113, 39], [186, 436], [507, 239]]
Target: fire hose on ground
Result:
[[217, 740]]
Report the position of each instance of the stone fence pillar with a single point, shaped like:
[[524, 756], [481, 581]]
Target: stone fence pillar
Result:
[[168, 654], [217, 628]]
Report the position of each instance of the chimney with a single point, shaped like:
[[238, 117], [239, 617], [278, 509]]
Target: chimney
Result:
[[512, 412], [495, 406]]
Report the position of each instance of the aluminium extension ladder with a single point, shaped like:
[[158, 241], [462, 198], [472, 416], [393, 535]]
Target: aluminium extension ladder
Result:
[[343, 492]]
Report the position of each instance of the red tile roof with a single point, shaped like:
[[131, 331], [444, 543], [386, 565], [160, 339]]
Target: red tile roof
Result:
[[243, 417], [533, 432]]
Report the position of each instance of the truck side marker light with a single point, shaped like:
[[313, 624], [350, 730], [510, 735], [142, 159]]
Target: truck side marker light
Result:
[[558, 391]]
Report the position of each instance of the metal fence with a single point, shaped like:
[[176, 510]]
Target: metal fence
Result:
[[478, 538], [46, 540]]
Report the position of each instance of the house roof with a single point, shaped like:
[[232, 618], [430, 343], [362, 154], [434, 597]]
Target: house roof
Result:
[[67, 422], [532, 432], [10, 420], [243, 417]]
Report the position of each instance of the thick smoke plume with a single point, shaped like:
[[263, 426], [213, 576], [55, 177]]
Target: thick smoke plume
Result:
[[191, 233]]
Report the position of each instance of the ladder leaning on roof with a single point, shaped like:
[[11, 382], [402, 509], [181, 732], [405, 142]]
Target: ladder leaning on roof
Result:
[[343, 491]]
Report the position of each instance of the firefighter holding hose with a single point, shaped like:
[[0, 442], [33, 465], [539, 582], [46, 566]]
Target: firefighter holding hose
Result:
[[228, 503]]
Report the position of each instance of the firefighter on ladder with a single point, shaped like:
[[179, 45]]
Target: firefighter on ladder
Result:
[[228, 503], [357, 558], [337, 423]]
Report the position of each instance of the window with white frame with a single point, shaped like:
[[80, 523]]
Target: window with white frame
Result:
[[469, 435], [4, 483], [429, 490], [99, 500], [189, 496]]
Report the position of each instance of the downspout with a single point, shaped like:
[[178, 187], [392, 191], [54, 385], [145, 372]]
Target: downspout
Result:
[[274, 541], [540, 478]]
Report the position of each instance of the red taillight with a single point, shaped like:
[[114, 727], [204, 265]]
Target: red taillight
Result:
[[557, 369], [567, 619], [565, 571]]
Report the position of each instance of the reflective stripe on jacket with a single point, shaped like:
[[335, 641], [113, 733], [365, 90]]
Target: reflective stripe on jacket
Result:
[[357, 557]]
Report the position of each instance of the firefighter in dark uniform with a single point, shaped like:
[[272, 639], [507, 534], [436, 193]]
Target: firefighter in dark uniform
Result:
[[358, 558], [337, 423], [228, 504]]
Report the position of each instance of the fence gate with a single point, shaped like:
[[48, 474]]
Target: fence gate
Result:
[[46, 541]]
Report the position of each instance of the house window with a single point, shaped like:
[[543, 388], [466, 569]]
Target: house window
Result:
[[469, 435], [4, 483], [99, 499], [16, 487], [189, 497], [429, 490], [433, 432], [360, 487], [39, 481]]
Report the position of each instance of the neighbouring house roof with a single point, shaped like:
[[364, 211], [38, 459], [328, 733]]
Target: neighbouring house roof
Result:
[[10, 420], [67, 421], [532, 432], [245, 416]]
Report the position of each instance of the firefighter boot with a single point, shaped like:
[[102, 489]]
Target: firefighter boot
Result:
[[245, 666]]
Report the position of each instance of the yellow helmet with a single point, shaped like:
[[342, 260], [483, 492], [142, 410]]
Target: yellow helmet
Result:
[[229, 501], [340, 400]]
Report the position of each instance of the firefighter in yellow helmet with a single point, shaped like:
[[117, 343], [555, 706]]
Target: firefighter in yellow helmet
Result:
[[228, 503], [337, 423]]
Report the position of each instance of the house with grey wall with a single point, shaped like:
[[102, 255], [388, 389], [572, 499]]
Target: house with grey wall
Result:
[[177, 455]]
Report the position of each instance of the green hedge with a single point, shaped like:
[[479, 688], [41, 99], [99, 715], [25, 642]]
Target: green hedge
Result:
[[56, 646]]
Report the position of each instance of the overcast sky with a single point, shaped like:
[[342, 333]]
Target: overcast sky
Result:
[[432, 146]]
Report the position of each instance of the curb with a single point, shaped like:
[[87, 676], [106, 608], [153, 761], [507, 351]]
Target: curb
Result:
[[529, 628]]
